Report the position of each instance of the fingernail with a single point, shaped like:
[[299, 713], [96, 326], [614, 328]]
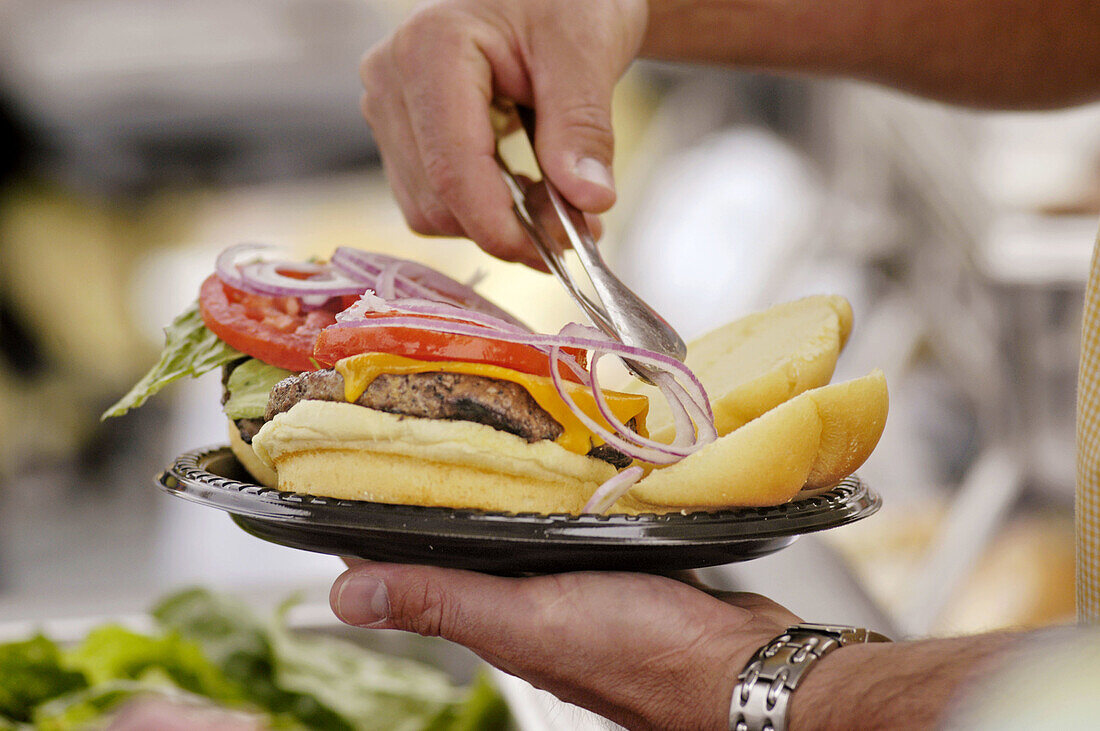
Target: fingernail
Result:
[[362, 601], [594, 171]]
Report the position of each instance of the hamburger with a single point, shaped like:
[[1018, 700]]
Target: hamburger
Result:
[[375, 378]]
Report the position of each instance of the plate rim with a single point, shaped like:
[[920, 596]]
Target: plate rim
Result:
[[848, 501]]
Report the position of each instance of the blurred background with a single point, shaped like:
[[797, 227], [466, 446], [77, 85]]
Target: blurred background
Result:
[[139, 139]]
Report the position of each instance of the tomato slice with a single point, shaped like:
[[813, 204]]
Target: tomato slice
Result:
[[277, 330], [335, 343]]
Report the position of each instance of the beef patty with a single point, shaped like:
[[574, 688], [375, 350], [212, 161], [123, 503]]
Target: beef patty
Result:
[[500, 404]]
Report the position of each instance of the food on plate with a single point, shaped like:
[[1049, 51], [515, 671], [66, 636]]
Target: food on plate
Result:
[[210, 662], [781, 428], [811, 441], [755, 363], [376, 378]]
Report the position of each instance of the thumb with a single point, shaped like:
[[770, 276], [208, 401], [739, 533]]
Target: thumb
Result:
[[574, 140], [462, 606]]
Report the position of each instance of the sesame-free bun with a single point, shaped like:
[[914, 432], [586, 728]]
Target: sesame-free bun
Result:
[[244, 453], [349, 451], [753, 364], [811, 441]]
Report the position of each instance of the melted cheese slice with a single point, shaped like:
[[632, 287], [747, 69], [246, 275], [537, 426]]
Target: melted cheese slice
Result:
[[360, 370]]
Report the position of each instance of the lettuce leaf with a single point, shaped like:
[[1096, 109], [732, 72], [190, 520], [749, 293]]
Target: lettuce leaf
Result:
[[30, 673], [213, 649], [113, 652], [190, 349], [368, 690], [324, 682], [249, 385], [481, 708], [239, 643]]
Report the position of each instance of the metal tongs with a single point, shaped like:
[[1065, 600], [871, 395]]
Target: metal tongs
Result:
[[551, 221]]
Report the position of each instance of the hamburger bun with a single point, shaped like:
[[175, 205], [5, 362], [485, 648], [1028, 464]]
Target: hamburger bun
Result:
[[244, 453], [347, 451]]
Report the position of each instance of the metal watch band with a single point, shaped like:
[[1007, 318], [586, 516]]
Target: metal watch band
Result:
[[763, 692]]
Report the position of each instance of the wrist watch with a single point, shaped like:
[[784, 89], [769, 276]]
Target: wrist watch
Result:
[[762, 696]]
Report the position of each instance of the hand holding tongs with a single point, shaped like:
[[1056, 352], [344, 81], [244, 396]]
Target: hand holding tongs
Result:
[[549, 220]]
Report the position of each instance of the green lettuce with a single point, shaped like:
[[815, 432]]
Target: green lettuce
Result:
[[190, 349], [324, 682], [240, 643], [213, 649], [367, 690], [30, 673], [481, 708], [249, 385], [113, 652]]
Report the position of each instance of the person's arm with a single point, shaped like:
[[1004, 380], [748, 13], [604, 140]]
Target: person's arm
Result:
[[989, 53], [429, 86], [903, 685], [650, 652]]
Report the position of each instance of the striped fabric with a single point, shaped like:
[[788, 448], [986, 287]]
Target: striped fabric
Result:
[[1087, 509]]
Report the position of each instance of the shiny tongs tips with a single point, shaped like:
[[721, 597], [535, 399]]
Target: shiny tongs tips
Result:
[[552, 223]]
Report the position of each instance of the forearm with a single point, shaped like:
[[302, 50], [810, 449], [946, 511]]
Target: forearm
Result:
[[992, 53], [905, 685]]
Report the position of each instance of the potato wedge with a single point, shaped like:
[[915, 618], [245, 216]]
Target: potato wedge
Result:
[[754, 364], [813, 440]]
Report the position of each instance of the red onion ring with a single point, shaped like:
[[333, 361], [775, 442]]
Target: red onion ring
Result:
[[682, 421], [689, 444], [674, 395], [696, 393], [417, 280], [660, 454], [370, 268], [610, 491], [226, 264], [385, 283], [267, 278], [425, 307]]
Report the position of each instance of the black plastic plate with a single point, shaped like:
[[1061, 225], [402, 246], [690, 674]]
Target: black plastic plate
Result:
[[507, 543]]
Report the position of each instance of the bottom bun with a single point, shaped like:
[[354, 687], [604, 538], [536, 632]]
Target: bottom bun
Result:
[[244, 453], [351, 452]]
